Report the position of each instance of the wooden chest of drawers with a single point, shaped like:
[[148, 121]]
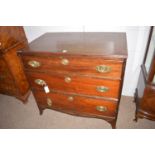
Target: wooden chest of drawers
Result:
[[12, 78], [77, 73]]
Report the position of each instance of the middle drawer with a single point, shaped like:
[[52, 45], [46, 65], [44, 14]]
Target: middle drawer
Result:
[[75, 84]]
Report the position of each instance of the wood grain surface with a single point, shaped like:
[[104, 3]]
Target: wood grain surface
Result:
[[12, 77], [82, 53], [78, 84]]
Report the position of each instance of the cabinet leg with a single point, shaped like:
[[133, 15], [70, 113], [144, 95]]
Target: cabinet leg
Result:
[[24, 98], [41, 111], [136, 118], [113, 124], [134, 98]]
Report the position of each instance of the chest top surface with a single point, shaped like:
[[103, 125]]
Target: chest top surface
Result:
[[81, 43]]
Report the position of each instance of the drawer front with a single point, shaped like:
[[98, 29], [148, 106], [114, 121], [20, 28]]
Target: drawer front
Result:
[[78, 104], [98, 107], [89, 66], [75, 84], [54, 101]]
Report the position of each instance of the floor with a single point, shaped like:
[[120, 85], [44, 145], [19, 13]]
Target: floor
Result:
[[13, 114]]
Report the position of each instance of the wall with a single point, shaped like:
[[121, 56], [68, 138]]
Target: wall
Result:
[[136, 38]]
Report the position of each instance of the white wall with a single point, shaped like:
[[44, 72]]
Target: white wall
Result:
[[136, 38]]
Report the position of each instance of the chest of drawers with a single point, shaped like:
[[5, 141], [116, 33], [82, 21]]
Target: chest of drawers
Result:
[[12, 78], [77, 73]]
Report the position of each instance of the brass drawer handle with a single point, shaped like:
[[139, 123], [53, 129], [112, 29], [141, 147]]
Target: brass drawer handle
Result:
[[49, 102], [103, 69], [40, 82], [68, 79], [102, 89], [70, 98], [101, 108], [34, 64], [64, 61], [64, 51]]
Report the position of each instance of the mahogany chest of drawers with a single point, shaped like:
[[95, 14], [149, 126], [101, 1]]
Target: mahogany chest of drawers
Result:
[[12, 78], [77, 73]]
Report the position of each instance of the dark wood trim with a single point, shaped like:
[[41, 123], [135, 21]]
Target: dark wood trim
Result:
[[152, 70], [56, 54], [148, 43], [149, 76], [114, 100], [136, 100], [144, 72]]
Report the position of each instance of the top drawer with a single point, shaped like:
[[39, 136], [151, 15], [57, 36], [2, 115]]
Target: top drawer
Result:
[[80, 65]]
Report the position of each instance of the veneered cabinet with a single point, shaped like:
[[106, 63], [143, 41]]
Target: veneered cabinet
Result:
[[12, 77]]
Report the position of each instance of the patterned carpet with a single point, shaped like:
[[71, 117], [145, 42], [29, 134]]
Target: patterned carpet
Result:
[[15, 115]]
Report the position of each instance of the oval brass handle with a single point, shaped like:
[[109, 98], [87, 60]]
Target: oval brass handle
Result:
[[34, 64], [64, 51], [68, 79], [49, 102], [70, 98], [103, 68], [101, 108], [0, 43], [102, 89], [65, 61], [40, 82]]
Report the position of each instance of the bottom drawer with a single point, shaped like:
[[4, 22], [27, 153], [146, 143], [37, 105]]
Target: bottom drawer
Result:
[[95, 107], [76, 104]]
